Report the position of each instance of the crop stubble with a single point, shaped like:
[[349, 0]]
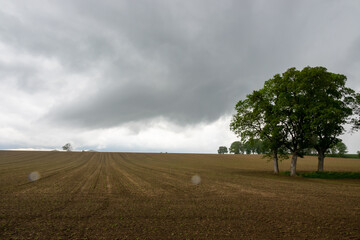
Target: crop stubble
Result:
[[151, 196]]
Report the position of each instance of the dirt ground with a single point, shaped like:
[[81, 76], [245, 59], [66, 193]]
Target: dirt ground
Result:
[[156, 196]]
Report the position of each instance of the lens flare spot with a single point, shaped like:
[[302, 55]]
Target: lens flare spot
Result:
[[34, 176], [196, 179]]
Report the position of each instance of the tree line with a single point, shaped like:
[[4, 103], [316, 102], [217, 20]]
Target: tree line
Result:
[[256, 146], [296, 111]]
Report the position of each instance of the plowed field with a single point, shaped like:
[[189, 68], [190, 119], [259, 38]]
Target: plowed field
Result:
[[151, 196]]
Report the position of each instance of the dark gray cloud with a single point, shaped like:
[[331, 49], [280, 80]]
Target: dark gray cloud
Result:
[[185, 61]]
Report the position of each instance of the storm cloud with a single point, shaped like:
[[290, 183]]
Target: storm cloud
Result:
[[105, 64]]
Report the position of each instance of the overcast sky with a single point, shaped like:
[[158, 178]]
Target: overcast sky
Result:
[[157, 75]]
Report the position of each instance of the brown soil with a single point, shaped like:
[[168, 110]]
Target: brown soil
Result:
[[151, 196]]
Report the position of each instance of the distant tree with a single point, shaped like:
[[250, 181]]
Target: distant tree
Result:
[[67, 147], [222, 150], [358, 153], [310, 151], [248, 149], [342, 149], [235, 147], [259, 146], [332, 150], [339, 149]]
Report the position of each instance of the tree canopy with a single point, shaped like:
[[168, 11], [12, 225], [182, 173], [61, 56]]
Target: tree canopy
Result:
[[252, 146], [298, 110], [67, 147], [235, 147], [339, 149], [222, 150]]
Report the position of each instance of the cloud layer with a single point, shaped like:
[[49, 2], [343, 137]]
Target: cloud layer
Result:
[[92, 66]]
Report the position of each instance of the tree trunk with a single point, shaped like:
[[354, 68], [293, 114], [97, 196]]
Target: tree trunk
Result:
[[321, 156], [276, 163], [293, 165]]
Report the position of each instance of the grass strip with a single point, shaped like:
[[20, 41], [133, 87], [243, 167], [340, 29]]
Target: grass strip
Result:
[[327, 175]]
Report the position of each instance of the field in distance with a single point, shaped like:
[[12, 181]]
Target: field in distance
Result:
[[93, 195]]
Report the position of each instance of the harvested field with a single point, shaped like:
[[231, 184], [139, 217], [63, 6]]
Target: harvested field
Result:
[[151, 196]]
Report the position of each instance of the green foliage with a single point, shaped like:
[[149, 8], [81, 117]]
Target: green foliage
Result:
[[290, 108], [256, 146], [309, 151], [358, 153], [339, 149], [343, 156], [327, 175], [298, 111], [67, 147], [255, 123], [355, 121], [331, 105], [252, 146], [235, 147], [222, 150]]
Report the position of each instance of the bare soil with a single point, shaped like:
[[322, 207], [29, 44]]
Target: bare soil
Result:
[[151, 196]]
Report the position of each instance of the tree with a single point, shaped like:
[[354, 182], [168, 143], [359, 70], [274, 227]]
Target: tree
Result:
[[255, 145], [242, 148], [355, 120], [254, 119], [235, 147], [298, 110], [309, 151], [290, 112], [358, 153], [247, 147], [67, 147], [222, 150], [259, 146], [342, 149], [313, 105], [329, 105], [339, 149]]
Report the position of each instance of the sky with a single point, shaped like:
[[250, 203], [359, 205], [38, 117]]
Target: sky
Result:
[[157, 76]]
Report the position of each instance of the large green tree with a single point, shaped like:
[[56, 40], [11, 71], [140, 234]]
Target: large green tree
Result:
[[298, 110], [313, 105], [289, 113], [329, 105], [254, 121]]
